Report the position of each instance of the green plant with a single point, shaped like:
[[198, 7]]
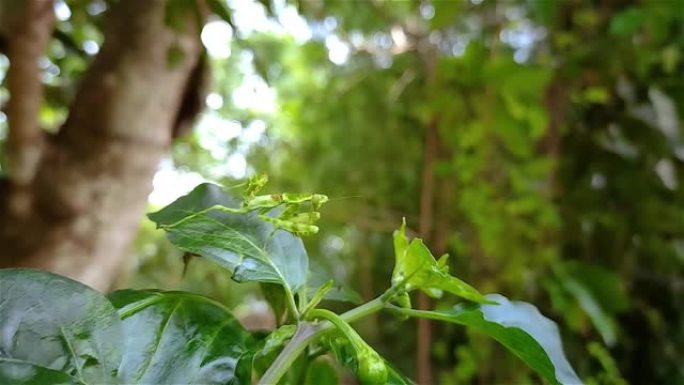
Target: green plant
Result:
[[58, 331]]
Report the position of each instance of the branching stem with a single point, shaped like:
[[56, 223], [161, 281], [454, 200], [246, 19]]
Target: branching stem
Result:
[[308, 332]]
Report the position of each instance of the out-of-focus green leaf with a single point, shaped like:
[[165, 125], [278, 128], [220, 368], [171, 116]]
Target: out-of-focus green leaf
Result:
[[321, 372], [626, 22], [546, 10], [601, 320], [445, 13], [18, 372], [241, 242], [219, 8], [269, 6], [339, 294], [274, 294], [178, 337], [596, 95], [319, 275], [598, 292], [415, 262], [60, 324], [604, 284], [611, 374], [520, 327]]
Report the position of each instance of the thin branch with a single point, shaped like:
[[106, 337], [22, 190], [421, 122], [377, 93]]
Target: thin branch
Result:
[[429, 56], [307, 333]]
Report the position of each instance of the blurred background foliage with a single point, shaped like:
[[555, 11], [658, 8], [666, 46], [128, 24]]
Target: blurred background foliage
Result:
[[557, 152]]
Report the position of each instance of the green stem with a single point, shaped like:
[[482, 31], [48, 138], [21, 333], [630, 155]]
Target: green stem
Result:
[[300, 340], [291, 305], [316, 298], [302, 300], [422, 314], [341, 325], [307, 333]]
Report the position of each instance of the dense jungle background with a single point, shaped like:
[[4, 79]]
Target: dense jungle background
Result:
[[540, 143]]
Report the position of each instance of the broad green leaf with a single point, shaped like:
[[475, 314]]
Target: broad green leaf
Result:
[[200, 198], [416, 264], [218, 7], [181, 338], [241, 242], [321, 372], [18, 372], [520, 327], [60, 324]]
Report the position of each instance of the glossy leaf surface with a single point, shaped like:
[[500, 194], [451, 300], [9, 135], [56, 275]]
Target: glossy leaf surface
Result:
[[60, 324], [181, 338], [18, 372], [200, 198], [241, 242], [520, 327]]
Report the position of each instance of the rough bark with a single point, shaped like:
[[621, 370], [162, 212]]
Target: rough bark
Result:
[[28, 27], [94, 177]]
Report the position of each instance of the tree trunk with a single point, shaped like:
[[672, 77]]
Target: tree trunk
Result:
[[92, 181], [427, 205]]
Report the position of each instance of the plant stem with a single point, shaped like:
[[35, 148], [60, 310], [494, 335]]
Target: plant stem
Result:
[[291, 305], [349, 332], [302, 300], [300, 340], [307, 333]]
